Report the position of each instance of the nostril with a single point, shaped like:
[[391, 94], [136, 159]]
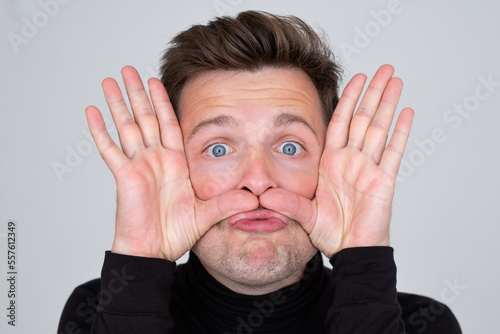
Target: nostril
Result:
[[248, 189]]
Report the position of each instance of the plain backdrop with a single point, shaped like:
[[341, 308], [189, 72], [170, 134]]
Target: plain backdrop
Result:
[[54, 185]]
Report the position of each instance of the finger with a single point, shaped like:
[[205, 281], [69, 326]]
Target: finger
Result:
[[338, 129], [292, 205], [130, 134], [170, 131], [220, 207], [377, 132], [110, 152], [368, 106], [393, 153], [141, 106]]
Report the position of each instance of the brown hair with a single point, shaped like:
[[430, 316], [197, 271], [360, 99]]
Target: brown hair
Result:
[[251, 41]]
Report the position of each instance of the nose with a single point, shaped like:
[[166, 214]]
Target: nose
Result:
[[257, 173]]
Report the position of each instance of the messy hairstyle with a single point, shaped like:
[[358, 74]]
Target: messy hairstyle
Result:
[[250, 42]]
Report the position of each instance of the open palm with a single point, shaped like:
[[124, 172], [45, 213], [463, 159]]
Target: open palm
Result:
[[358, 169], [158, 214]]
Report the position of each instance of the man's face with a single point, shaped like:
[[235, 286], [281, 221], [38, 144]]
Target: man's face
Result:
[[253, 131]]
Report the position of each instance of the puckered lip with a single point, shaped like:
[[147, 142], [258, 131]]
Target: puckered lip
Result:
[[262, 214]]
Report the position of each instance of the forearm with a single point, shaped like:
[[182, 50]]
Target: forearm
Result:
[[134, 296], [365, 301]]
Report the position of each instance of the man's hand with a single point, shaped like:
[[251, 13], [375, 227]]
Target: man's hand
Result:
[[357, 172], [158, 214]]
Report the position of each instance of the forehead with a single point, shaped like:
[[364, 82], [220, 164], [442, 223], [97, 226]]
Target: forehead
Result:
[[250, 96]]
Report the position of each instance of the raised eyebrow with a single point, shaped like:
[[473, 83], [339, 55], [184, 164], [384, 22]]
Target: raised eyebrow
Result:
[[221, 121], [288, 119]]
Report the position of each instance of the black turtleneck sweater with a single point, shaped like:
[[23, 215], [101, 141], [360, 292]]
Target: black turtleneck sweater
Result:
[[358, 295]]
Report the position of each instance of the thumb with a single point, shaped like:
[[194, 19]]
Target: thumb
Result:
[[222, 206], [292, 205]]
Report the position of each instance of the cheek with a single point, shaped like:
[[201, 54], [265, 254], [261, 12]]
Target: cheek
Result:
[[303, 183], [300, 178], [209, 182]]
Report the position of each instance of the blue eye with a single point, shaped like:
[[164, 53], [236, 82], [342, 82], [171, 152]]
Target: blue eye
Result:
[[218, 150], [290, 148]]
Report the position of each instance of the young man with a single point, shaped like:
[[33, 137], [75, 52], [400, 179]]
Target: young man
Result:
[[246, 165]]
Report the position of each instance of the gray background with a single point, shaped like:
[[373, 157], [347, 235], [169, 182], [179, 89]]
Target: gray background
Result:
[[445, 219]]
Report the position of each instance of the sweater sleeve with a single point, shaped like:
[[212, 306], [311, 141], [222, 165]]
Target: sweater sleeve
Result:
[[134, 295], [365, 296]]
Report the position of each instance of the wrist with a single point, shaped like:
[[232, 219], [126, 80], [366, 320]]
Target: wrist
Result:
[[140, 249], [368, 243], [329, 253]]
